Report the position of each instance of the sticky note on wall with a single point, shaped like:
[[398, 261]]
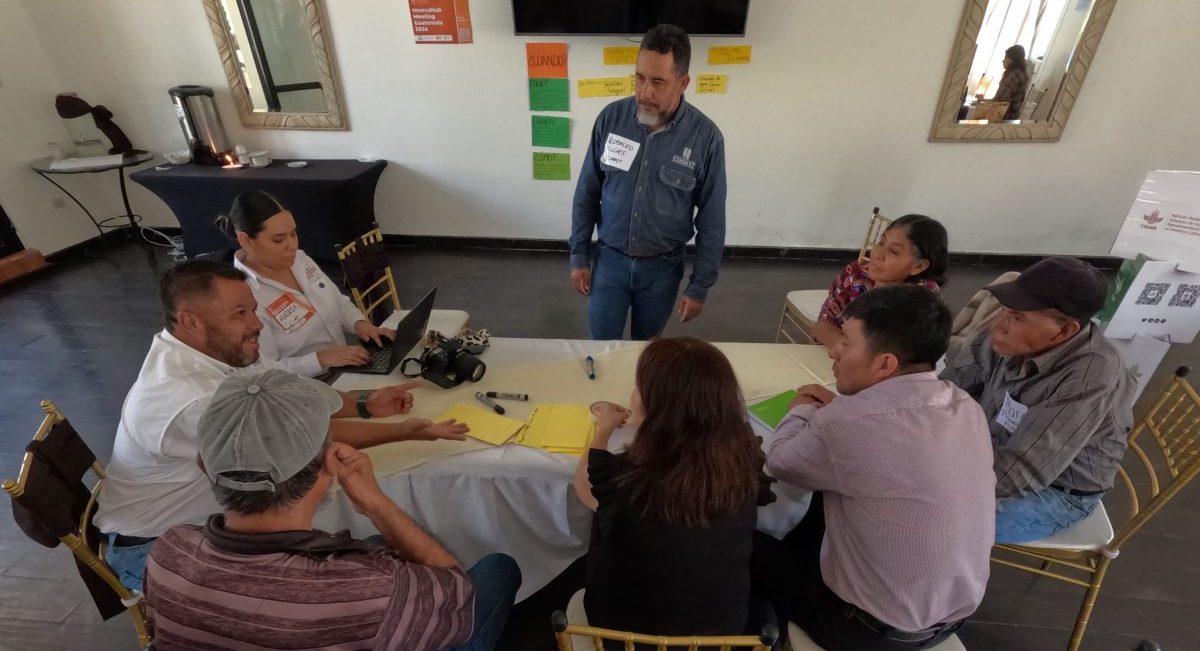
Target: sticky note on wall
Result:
[[551, 167], [728, 54], [548, 95], [606, 87], [710, 83], [546, 60], [620, 56], [551, 131]]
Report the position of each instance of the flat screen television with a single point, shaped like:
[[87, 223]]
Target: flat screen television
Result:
[[697, 17]]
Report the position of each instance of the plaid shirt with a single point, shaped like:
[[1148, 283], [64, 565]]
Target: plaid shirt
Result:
[[851, 283]]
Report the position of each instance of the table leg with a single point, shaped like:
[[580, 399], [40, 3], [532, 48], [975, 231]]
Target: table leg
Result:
[[125, 198], [77, 203]]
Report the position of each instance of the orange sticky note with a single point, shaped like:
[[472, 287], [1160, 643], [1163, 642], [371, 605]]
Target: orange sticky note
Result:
[[546, 60]]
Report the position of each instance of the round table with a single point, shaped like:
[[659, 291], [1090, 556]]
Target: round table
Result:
[[521, 500], [42, 167]]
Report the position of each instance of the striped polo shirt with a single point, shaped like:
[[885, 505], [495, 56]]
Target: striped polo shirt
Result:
[[211, 588]]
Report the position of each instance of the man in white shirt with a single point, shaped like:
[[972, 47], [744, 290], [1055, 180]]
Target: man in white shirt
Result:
[[153, 479]]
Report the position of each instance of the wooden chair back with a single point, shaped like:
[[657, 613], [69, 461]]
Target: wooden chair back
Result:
[[564, 630], [875, 228], [369, 276]]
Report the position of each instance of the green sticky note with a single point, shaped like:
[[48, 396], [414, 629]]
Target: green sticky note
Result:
[[548, 94], [549, 131], [772, 410], [551, 167]]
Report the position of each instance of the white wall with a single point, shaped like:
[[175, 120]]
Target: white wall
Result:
[[829, 120], [28, 122]]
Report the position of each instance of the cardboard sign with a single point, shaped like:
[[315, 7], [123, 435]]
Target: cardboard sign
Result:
[[546, 60], [1164, 222], [1154, 299], [621, 56], [728, 54], [606, 87], [441, 21], [709, 83], [1141, 355]]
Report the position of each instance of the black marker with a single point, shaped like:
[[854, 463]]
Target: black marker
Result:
[[507, 396], [487, 401]]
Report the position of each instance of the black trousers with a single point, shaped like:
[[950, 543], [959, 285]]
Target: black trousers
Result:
[[788, 572]]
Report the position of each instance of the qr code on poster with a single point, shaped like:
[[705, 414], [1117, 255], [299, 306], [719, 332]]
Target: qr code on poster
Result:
[[1185, 296], [1153, 293]]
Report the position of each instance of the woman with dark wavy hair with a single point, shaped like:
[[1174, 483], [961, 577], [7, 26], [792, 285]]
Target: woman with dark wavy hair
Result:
[[676, 511]]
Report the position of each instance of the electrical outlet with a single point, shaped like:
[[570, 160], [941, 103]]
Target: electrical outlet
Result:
[[57, 203]]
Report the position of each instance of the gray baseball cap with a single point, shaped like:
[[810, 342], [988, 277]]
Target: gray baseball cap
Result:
[[272, 422]]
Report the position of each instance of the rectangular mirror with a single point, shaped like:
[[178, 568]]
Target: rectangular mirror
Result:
[[279, 63], [1017, 67]]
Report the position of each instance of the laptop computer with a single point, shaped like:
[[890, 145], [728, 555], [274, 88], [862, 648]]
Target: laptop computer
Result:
[[409, 332]]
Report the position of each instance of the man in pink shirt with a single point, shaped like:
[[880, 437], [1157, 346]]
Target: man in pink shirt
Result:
[[894, 551]]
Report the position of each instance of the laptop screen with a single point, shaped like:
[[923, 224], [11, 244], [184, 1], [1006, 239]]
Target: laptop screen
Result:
[[412, 327]]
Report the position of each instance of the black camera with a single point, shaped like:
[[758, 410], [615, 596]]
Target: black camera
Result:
[[447, 365]]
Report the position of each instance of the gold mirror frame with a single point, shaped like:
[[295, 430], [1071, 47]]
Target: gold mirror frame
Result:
[[945, 119], [335, 117]]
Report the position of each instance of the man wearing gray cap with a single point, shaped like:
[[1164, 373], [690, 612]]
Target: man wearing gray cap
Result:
[[258, 575], [211, 333], [1059, 402]]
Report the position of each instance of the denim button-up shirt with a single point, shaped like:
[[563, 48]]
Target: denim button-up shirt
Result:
[[674, 189]]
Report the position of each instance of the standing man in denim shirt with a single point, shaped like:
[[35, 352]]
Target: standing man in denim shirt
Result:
[[653, 177]]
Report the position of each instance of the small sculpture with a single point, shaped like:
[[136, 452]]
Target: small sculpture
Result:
[[69, 106]]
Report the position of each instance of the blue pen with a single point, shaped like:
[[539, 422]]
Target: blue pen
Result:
[[591, 368]]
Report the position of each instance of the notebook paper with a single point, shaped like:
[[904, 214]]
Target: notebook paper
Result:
[[486, 425]]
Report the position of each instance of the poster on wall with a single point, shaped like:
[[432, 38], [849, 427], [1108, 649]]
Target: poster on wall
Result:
[[441, 21], [1164, 222]]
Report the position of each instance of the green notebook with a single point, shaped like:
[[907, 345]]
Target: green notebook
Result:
[[772, 410]]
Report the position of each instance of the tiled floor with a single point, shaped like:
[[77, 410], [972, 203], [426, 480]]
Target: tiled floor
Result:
[[77, 335]]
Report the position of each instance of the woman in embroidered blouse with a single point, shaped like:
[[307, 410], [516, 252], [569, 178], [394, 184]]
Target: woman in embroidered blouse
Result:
[[913, 249]]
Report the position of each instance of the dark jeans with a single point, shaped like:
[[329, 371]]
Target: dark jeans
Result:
[[788, 572], [496, 578], [647, 286]]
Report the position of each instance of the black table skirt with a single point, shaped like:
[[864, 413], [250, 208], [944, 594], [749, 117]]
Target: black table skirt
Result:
[[333, 201]]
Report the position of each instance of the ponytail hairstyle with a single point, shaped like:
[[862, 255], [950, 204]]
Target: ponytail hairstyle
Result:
[[249, 211]]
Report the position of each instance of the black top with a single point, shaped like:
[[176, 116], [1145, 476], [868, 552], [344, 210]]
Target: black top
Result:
[[647, 576]]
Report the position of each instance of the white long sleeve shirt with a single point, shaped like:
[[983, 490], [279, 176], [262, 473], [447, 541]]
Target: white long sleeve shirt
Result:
[[298, 324]]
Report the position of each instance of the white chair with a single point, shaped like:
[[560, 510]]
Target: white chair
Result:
[[798, 640], [802, 307]]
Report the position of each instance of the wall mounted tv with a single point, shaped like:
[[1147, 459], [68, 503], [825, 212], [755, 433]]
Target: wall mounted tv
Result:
[[698, 17]]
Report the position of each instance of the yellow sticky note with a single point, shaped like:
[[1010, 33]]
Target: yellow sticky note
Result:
[[709, 83], [487, 426], [726, 54], [605, 87], [620, 56]]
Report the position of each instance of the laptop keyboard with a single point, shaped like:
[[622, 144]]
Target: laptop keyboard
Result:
[[380, 358]]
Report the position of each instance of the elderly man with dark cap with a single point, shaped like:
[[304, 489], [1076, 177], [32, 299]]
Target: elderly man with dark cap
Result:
[[1058, 400], [259, 576]]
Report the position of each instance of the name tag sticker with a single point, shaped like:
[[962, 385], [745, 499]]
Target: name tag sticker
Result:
[[619, 152], [290, 313], [1011, 414]]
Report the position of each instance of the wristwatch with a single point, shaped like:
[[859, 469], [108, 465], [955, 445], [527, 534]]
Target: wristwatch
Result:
[[361, 403]]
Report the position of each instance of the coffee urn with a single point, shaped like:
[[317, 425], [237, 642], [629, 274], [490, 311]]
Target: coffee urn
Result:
[[201, 125]]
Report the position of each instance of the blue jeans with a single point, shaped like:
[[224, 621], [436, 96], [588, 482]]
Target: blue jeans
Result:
[[1040, 514], [128, 563], [496, 578], [648, 286]]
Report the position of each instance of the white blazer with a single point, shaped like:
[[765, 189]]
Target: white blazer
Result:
[[297, 325]]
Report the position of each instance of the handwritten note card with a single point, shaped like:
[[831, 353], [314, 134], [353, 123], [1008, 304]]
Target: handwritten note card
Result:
[[620, 56], [728, 54], [546, 60], [606, 87], [551, 167], [709, 83], [550, 131], [548, 95]]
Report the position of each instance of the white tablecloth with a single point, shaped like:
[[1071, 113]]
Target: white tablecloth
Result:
[[520, 500]]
